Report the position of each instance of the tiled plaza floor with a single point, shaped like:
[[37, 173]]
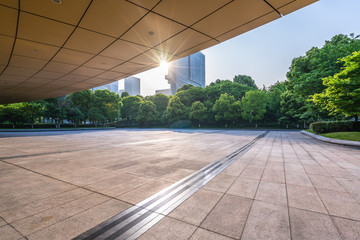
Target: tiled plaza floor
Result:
[[56, 185]]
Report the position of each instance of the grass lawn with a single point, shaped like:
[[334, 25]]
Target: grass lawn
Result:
[[353, 136]]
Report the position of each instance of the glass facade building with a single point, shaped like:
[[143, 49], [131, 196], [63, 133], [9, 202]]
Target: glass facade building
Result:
[[187, 70]]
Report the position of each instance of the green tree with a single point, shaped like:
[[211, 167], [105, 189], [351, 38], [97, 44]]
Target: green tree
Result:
[[160, 100], [342, 94], [176, 110], [11, 113], [189, 94], [147, 113], [306, 74], [215, 89], [31, 111], [245, 80], [130, 109], [96, 115], [273, 107], [198, 112], [55, 108], [226, 109], [254, 105], [292, 107], [107, 102], [74, 115], [124, 94], [83, 101]]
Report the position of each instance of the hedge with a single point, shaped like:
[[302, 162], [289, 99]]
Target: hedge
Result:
[[336, 126]]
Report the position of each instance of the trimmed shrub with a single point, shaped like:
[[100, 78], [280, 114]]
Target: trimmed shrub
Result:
[[336, 126]]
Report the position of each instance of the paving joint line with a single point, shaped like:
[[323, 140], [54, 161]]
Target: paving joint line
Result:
[[316, 190], [133, 222], [63, 181], [223, 196], [257, 188], [286, 189], [10, 225]]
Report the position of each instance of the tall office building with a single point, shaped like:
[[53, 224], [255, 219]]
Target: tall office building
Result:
[[132, 86], [187, 70], [112, 87]]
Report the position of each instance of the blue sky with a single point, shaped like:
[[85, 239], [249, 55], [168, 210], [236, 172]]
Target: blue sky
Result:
[[265, 53]]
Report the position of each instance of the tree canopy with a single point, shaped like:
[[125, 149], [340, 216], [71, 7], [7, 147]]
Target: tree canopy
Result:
[[342, 93], [254, 105]]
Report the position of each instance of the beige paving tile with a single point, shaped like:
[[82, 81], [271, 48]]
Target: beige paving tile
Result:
[[349, 229], [325, 182], [9, 233], [33, 208], [294, 168], [235, 169], [220, 183], [120, 178], [229, 216], [2, 222], [139, 194], [340, 204], [244, 187], [176, 175], [298, 179], [77, 224], [304, 198], [356, 197], [197, 207], [127, 186], [273, 176], [253, 173], [338, 172], [39, 221], [279, 166], [267, 221], [351, 185], [201, 234], [169, 228], [311, 225], [272, 192]]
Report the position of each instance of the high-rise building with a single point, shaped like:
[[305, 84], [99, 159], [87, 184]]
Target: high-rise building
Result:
[[132, 86], [187, 70], [112, 87]]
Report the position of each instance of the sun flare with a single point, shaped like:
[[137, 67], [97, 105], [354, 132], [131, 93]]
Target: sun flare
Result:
[[164, 66]]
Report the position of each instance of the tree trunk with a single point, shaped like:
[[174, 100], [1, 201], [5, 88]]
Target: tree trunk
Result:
[[255, 125], [287, 125], [13, 125], [199, 125], [32, 125], [226, 125], [356, 118]]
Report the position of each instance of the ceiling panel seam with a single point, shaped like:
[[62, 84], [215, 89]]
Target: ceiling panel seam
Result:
[[59, 48], [116, 39], [273, 7], [13, 46]]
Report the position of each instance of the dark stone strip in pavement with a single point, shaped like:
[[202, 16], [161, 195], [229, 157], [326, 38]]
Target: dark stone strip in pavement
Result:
[[136, 219]]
